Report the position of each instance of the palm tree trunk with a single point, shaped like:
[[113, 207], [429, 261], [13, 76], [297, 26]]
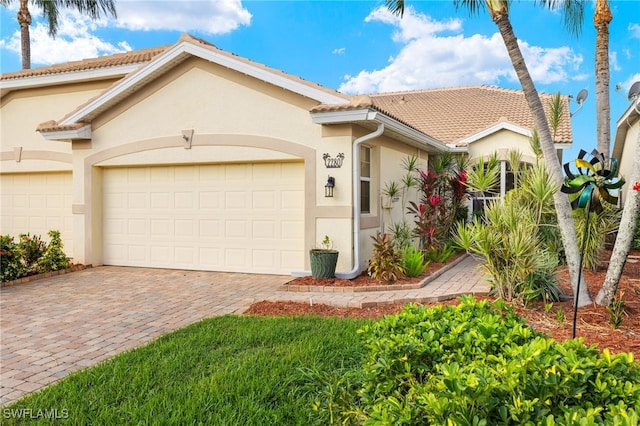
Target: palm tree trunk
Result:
[[24, 19], [625, 235], [562, 206], [601, 20]]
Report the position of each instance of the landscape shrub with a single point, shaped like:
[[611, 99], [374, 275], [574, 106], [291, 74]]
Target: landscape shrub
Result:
[[386, 263], [601, 226], [518, 240], [30, 255], [479, 364], [11, 266], [32, 248], [413, 261], [54, 258]]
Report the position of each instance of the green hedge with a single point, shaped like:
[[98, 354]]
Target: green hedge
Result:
[[30, 255], [479, 364]]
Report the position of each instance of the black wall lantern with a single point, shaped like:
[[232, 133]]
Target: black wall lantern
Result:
[[328, 188]]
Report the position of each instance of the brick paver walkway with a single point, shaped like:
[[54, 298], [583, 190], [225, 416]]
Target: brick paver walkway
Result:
[[54, 326]]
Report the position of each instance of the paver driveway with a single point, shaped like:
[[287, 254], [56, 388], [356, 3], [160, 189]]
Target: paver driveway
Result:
[[58, 325], [54, 326]]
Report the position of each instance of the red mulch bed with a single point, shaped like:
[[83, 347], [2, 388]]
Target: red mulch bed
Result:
[[593, 321], [364, 280]]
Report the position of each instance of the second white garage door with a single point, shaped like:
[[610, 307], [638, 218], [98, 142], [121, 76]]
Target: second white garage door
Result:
[[236, 218]]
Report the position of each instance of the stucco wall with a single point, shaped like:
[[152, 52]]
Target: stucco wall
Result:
[[502, 141], [235, 118], [20, 114], [628, 154]]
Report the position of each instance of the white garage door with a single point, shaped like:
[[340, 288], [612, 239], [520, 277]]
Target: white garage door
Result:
[[236, 218], [36, 203]]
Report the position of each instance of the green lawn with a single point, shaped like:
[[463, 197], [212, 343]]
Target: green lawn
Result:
[[231, 370]]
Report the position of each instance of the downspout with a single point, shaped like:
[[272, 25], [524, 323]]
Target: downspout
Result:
[[356, 202]]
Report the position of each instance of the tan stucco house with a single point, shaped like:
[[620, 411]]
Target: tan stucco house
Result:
[[186, 156], [626, 143]]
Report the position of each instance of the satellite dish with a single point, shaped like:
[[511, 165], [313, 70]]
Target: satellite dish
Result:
[[582, 95], [634, 91]]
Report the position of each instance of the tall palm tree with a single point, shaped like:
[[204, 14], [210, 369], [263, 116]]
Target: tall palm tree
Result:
[[601, 19], [499, 12], [94, 9]]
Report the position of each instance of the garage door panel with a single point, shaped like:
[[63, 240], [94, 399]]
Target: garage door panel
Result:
[[36, 203], [216, 217]]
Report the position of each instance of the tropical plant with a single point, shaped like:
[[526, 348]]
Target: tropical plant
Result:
[[444, 254], [442, 189], [616, 311], [479, 364], [32, 248], [94, 9], [601, 225], [499, 12], [402, 235], [413, 261], [54, 258], [386, 263], [518, 239], [11, 265]]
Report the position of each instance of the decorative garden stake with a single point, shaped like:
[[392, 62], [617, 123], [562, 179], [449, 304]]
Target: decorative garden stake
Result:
[[592, 184]]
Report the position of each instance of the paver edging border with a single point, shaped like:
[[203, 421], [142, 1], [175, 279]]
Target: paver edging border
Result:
[[389, 287], [49, 274]]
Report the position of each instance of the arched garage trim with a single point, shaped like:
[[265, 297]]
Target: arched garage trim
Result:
[[91, 208]]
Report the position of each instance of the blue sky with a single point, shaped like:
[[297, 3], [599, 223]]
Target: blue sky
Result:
[[358, 47]]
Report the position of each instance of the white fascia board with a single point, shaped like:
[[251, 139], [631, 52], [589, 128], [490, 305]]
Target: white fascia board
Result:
[[345, 116], [67, 77], [67, 135], [563, 145], [367, 114], [125, 84], [264, 75], [493, 129]]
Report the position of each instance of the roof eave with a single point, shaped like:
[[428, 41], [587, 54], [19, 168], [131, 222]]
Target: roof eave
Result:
[[67, 135], [177, 54], [66, 77], [354, 116]]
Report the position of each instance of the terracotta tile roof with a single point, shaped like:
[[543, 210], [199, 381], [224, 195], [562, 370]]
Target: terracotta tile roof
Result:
[[127, 58], [453, 114], [473, 108]]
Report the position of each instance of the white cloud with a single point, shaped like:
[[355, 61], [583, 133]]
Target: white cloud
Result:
[[339, 51], [207, 16], [634, 29], [73, 41], [437, 54], [76, 37], [614, 65]]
